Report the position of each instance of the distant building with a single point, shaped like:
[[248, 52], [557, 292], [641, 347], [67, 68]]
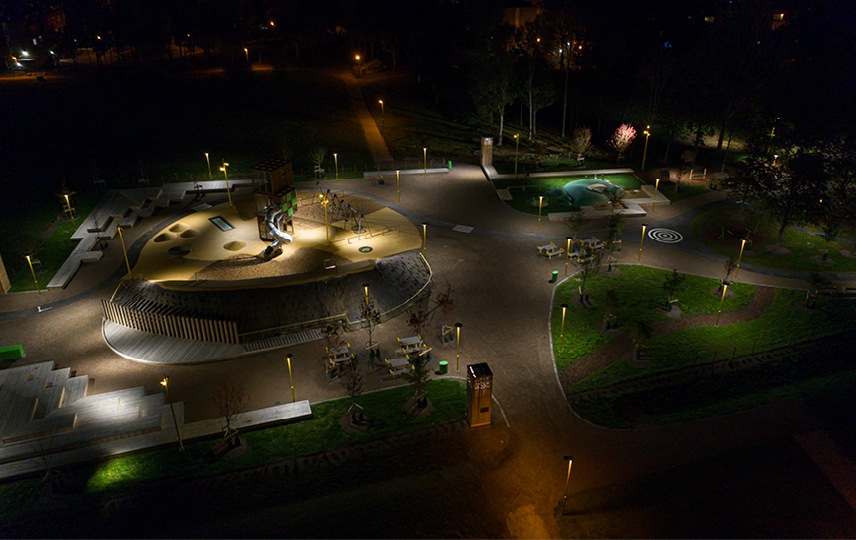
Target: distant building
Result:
[[519, 13]]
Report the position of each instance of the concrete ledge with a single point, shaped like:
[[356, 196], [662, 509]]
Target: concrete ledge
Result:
[[439, 170]]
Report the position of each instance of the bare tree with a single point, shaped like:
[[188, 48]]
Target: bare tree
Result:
[[317, 155], [581, 142], [370, 317], [589, 264], [231, 400], [352, 381]]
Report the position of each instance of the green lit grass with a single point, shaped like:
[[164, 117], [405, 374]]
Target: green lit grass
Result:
[[640, 295], [802, 245], [525, 198]]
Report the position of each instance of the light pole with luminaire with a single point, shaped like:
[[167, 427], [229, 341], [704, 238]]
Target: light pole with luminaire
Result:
[[639, 260], [226, 176], [516, 150], [382, 123], [570, 461], [739, 257], [247, 53], [721, 300], [424, 239], [209, 165], [656, 185], [325, 201], [290, 378], [562, 333], [397, 187], [458, 346], [68, 208], [540, 202], [36, 281], [645, 152], [165, 383], [567, 256], [425, 162], [336, 160], [124, 251]]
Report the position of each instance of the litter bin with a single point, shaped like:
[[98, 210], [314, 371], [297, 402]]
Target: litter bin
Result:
[[555, 276], [444, 367]]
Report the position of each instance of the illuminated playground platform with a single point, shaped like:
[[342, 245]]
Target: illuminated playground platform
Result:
[[203, 283]]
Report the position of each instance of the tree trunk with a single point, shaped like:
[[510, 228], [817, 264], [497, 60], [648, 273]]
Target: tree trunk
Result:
[[501, 124], [565, 104]]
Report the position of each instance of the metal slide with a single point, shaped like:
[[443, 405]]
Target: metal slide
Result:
[[273, 220]]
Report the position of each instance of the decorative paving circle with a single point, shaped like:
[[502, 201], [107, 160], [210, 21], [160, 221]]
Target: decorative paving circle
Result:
[[365, 249], [666, 236]]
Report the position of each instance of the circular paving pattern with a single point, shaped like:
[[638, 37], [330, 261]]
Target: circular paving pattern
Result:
[[666, 236], [365, 249]]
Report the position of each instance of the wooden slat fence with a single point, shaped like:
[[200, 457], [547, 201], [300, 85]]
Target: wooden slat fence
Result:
[[171, 325]]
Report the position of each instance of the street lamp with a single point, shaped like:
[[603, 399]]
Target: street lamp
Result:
[[36, 281], [382, 123], [122, 239], [290, 378], [226, 176], [68, 207], [540, 202], [562, 333], [640, 243], [645, 152], [516, 150], [247, 53], [739, 257], [425, 239], [336, 160], [567, 256], [656, 185], [209, 165], [165, 383], [458, 346], [570, 461], [425, 158], [397, 186], [325, 201], [719, 311]]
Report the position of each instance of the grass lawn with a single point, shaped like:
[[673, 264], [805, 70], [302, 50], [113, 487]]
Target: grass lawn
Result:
[[803, 247], [127, 474], [412, 122], [640, 294], [525, 198], [739, 494]]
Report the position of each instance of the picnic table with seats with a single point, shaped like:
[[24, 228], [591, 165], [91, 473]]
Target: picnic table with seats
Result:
[[337, 358], [413, 346], [550, 250], [397, 365]]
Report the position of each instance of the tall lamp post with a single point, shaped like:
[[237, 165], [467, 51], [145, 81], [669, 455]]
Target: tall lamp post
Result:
[[36, 281], [645, 152], [247, 53], [567, 256], [124, 251], [207, 160], [290, 378], [165, 383], [425, 239], [458, 346], [382, 116], [336, 160], [719, 311], [540, 202], [656, 185], [639, 260], [325, 201], [570, 461], [397, 187], [425, 161], [562, 333], [516, 150], [226, 176], [739, 257]]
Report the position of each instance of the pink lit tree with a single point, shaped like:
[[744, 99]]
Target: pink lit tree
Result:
[[622, 138]]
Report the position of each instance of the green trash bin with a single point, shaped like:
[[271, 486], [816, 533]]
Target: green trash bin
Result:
[[444, 367], [555, 276]]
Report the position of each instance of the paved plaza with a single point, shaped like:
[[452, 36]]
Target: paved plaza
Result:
[[503, 299]]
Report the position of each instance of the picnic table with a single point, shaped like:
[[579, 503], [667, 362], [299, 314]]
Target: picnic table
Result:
[[413, 345], [550, 250], [397, 365], [337, 358]]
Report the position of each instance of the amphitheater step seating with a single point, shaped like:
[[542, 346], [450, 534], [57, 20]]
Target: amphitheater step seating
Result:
[[304, 336]]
